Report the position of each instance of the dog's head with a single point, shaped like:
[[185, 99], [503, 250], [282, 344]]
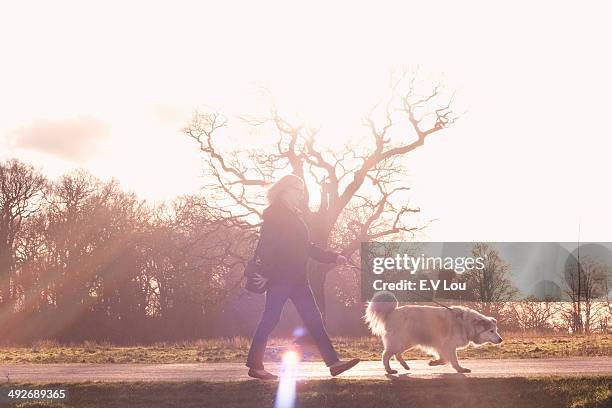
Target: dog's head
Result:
[[485, 330]]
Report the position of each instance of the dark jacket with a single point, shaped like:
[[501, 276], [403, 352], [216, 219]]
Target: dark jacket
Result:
[[285, 245]]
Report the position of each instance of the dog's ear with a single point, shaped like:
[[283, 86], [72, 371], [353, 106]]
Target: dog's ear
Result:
[[482, 323], [494, 320]]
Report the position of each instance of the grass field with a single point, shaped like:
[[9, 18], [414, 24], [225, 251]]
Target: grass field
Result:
[[338, 393], [235, 350]]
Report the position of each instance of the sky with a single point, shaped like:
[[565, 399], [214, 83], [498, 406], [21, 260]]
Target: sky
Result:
[[107, 86]]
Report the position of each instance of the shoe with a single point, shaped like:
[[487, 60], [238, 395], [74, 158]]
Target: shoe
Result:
[[342, 366], [261, 374]]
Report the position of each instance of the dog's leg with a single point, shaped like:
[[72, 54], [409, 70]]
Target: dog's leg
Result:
[[385, 357], [452, 357], [437, 359], [401, 360], [438, 362]]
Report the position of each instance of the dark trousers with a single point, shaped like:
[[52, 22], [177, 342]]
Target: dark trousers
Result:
[[301, 296]]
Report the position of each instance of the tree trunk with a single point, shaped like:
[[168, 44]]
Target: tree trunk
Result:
[[320, 230]]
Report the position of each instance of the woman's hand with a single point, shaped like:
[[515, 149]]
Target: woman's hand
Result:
[[340, 260], [259, 280]]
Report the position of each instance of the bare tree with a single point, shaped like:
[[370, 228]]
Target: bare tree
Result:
[[91, 231], [534, 314], [31, 288], [364, 175], [490, 287], [192, 267], [21, 187], [606, 320], [586, 285]]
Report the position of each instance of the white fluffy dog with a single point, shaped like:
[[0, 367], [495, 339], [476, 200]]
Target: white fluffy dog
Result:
[[438, 331]]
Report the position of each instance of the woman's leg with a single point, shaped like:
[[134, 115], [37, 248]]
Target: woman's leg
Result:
[[305, 304], [276, 296]]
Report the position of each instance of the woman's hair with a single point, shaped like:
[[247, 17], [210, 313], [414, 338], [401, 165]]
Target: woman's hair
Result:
[[277, 189]]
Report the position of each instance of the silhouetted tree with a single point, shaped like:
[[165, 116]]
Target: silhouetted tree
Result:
[[586, 286], [364, 177], [21, 187], [490, 287], [534, 314]]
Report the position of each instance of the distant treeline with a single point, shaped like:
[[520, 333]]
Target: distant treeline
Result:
[[82, 259]]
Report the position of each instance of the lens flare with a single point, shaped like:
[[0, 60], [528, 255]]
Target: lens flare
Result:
[[290, 358], [285, 395], [298, 332]]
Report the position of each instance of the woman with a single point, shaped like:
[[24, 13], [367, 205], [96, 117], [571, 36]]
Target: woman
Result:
[[284, 249]]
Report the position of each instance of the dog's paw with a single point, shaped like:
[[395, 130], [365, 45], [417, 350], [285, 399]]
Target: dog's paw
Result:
[[391, 371], [464, 370], [436, 362]]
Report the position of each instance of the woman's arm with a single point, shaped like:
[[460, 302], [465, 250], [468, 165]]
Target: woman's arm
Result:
[[321, 254]]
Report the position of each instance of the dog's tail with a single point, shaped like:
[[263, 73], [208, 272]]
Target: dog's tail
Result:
[[379, 308]]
